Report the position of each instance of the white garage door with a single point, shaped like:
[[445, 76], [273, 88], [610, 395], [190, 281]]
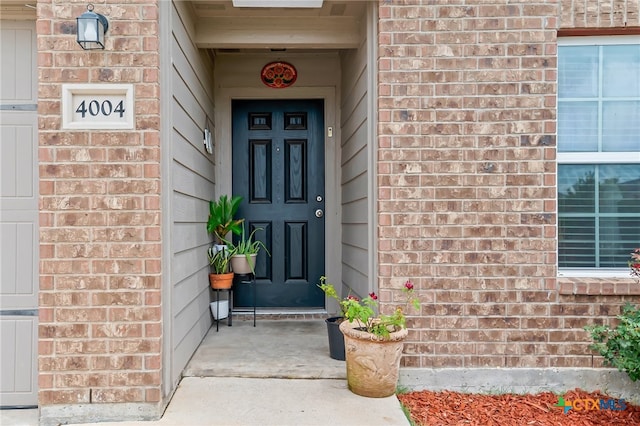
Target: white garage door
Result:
[[18, 215]]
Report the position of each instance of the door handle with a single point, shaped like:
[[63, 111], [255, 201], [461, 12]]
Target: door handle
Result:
[[319, 213]]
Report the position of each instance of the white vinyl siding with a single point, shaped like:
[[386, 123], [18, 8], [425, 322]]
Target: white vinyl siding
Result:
[[192, 177], [356, 173]]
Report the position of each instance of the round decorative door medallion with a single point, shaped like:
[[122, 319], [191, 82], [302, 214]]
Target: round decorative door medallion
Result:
[[278, 75]]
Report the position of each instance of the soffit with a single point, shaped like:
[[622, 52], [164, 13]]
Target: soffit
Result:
[[205, 9], [336, 25], [18, 10]]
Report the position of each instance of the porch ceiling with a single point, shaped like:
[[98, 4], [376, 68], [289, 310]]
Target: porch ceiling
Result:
[[16, 9], [336, 25]]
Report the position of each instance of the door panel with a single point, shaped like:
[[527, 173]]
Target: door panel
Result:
[[278, 169], [17, 272], [18, 371], [18, 64]]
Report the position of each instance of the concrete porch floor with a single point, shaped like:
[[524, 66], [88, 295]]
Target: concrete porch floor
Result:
[[285, 349]]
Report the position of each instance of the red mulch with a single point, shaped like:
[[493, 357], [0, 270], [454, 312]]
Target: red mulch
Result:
[[453, 408]]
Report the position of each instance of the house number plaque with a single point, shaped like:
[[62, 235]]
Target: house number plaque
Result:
[[97, 106]]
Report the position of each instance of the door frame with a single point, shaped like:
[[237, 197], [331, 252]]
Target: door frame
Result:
[[223, 146]]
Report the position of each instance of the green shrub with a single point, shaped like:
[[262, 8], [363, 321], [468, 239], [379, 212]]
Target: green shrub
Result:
[[620, 346]]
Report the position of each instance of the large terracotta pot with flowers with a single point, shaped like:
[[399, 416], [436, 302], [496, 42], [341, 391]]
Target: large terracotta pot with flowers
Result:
[[373, 362], [373, 344]]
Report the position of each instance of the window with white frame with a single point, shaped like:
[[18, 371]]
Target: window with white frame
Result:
[[598, 152]]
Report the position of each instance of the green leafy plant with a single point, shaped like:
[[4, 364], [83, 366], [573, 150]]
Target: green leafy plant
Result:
[[620, 346], [330, 291], [219, 259], [364, 311], [246, 245], [221, 213], [248, 248]]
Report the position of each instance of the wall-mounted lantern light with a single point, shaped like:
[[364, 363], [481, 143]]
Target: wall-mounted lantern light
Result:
[[91, 29]]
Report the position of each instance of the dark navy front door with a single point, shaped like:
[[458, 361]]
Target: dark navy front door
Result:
[[278, 169]]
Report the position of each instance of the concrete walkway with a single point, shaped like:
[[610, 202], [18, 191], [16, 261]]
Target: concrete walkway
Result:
[[231, 401], [278, 373]]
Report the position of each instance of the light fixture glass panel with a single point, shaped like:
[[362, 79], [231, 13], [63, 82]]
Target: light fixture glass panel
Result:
[[278, 3], [91, 28]]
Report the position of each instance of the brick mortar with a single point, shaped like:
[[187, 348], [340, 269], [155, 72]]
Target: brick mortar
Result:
[[598, 286], [599, 14], [467, 187], [100, 332], [466, 208]]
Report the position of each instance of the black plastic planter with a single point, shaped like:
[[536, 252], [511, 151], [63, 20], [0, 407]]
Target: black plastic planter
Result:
[[336, 338]]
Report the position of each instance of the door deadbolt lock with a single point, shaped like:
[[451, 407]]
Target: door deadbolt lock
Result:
[[319, 213], [319, 198]]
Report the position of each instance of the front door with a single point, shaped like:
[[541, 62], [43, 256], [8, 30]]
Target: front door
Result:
[[278, 169]]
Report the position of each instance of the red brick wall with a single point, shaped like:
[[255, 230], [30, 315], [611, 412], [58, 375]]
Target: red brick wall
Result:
[[466, 195], [100, 299], [467, 184], [599, 13]]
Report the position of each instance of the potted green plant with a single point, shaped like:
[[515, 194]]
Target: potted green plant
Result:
[[245, 251], [221, 218], [220, 277], [373, 343], [220, 223]]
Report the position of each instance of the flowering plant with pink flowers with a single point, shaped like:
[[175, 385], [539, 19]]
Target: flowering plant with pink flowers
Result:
[[364, 310], [634, 264]]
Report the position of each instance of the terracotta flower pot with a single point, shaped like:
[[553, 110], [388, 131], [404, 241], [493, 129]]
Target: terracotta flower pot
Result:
[[221, 281], [373, 363]]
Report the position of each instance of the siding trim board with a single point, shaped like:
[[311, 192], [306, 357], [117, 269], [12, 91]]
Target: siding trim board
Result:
[[165, 15], [590, 32], [372, 28], [356, 168], [19, 312], [18, 107]]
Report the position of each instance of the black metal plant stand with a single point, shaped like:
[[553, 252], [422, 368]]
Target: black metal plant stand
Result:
[[246, 279], [229, 297]]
